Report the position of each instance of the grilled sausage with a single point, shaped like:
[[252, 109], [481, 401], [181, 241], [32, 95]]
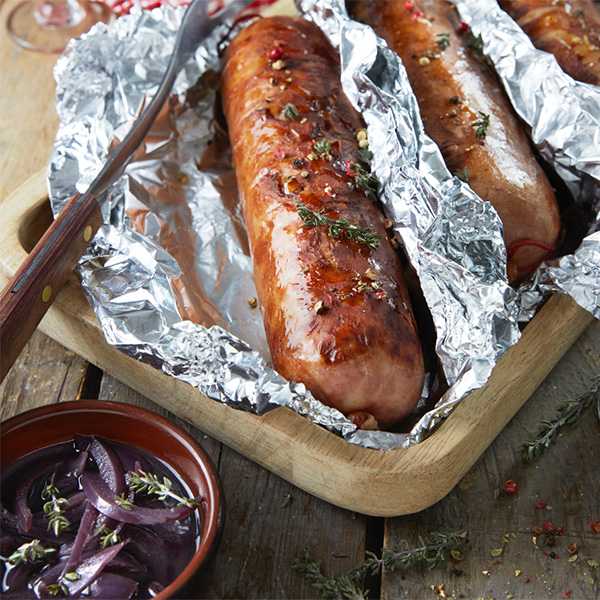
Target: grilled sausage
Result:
[[467, 114], [336, 308], [570, 30]]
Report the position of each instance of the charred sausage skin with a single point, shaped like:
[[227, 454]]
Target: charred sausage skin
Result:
[[337, 311], [467, 114], [569, 29]]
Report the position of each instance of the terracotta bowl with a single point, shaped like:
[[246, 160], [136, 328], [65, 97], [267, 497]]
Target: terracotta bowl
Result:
[[55, 423]]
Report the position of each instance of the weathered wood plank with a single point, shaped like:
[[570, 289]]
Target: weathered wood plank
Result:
[[269, 522], [44, 373], [565, 478]]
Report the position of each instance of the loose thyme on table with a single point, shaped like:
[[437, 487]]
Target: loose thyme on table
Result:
[[430, 551]]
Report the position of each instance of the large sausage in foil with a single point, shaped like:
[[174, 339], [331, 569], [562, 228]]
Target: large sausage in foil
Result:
[[569, 29], [466, 112], [336, 308]]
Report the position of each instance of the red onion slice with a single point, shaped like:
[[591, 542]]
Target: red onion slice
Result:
[[104, 500]]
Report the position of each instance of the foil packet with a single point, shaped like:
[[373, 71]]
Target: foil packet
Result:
[[169, 274]]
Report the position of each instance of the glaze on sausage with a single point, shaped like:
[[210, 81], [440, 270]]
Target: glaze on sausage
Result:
[[467, 114], [569, 29], [336, 307]]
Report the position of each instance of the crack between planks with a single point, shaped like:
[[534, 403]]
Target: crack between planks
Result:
[[374, 542], [91, 382]]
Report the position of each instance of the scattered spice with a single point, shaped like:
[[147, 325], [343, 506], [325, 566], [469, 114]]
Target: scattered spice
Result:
[[567, 594], [252, 302], [409, 5], [183, 178], [496, 552], [541, 504], [278, 65], [510, 487], [424, 61], [595, 527], [275, 53], [463, 27]]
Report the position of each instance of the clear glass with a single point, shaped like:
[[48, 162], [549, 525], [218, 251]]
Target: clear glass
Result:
[[48, 25]]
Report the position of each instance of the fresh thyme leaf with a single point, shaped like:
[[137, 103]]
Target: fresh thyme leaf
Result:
[[462, 175], [443, 40], [322, 146], [365, 180], [476, 43], [142, 482], [290, 111], [30, 552], [569, 414], [108, 537], [337, 227], [482, 125], [56, 589], [365, 155], [123, 502]]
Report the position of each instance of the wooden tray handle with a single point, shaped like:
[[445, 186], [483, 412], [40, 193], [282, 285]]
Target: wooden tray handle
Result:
[[33, 288]]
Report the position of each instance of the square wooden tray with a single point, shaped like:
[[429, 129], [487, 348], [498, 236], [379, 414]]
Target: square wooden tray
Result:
[[372, 482]]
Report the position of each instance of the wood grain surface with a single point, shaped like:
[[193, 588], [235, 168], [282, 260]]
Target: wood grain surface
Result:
[[269, 521]]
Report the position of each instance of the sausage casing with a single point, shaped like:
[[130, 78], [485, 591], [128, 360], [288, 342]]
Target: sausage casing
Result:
[[570, 30], [467, 114], [336, 307]]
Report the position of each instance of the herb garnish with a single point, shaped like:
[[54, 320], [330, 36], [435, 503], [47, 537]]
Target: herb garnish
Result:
[[337, 227], [290, 111], [364, 179], [322, 146], [140, 481], [54, 508], [476, 43], [30, 552], [108, 537], [430, 551], [462, 175], [54, 589], [443, 40], [570, 412], [482, 125]]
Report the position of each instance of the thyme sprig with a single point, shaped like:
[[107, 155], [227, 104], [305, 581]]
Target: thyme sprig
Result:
[[570, 412], [142, 482], [482, 125], [347, 586], [337, 227], [32, 551], [54, 510], [430, 551]]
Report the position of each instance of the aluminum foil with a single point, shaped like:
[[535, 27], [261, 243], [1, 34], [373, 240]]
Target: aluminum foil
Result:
[[169, 275], [563, 116]]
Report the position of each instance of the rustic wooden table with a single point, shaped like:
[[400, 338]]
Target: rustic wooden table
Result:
[[513, 548]]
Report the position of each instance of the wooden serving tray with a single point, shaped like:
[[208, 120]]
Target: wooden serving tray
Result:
[[372, 482]]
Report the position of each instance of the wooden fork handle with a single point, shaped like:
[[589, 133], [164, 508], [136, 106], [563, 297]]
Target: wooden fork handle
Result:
[[33, 288]]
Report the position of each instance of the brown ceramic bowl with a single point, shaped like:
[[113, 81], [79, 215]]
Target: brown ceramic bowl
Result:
[[55, 423]]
